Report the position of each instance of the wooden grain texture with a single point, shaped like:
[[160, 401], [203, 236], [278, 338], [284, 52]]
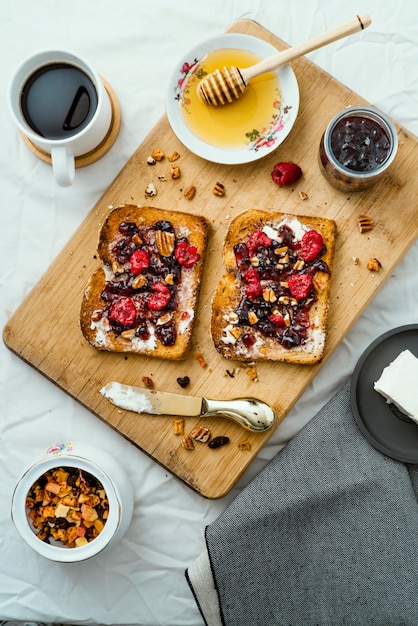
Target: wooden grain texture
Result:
[[58, 350]]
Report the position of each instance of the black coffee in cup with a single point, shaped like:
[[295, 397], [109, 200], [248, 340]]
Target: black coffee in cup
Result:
[[58, 100]]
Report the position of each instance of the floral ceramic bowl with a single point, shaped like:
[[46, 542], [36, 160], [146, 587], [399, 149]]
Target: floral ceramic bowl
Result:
[[89, 467], [248, 128]]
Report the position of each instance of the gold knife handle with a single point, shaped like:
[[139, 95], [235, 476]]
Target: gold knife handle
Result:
[[248, 412]]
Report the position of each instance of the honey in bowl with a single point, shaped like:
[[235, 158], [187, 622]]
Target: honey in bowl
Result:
[[252, 120]]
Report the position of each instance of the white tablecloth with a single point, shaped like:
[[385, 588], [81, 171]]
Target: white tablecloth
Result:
[[135, 45]]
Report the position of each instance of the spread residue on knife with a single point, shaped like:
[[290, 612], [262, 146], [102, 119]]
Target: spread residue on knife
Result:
[[126, 398]]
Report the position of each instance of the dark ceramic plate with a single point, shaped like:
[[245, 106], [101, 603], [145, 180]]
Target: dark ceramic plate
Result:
[[385, 428]]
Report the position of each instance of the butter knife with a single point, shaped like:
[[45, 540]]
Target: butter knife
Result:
[[250, 413]]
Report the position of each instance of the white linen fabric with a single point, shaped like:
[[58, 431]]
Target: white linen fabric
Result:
[[135, 45]]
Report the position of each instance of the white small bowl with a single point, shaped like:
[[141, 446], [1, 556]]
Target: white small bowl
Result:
[[265, 139], [99, 464]]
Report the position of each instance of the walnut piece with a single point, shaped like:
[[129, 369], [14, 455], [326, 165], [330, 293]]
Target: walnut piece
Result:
[[157, 154], [139, 281], [175, 171], [147, 382], [252, 317], [374, 264]]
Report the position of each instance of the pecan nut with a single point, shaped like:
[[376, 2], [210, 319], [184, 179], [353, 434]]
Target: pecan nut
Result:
[[165, 242], [219, 189], [365, 223]]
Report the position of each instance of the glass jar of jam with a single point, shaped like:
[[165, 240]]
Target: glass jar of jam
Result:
[[357, 147]]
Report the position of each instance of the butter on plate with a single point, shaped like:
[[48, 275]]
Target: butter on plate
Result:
[[398, 384]]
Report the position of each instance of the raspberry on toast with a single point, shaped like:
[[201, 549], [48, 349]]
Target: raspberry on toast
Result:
[[143, 298], [272, 302]]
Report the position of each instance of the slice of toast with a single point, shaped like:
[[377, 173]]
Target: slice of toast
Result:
[[272, 302], [143, 298]]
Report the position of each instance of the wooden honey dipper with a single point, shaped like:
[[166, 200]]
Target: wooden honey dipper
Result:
[[223, 86]]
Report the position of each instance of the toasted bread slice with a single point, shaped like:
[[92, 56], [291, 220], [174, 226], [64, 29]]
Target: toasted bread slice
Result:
[[272, 302], [143, 298]]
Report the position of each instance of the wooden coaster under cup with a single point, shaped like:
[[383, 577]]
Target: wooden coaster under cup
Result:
[[101, 149]]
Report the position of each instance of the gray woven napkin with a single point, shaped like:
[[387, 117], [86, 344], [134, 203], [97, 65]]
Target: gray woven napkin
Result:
[[325, 535]]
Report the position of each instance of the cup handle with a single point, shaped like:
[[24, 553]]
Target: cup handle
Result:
[[63, 166]]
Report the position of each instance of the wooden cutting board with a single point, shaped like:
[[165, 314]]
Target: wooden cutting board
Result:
[[58, 350]]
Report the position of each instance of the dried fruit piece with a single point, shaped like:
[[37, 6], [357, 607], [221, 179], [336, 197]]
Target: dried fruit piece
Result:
[[244, 445], [183, 381], [173, 156], [286, 173], [200, 358], [219, 441], [147, 382], [252, 373]]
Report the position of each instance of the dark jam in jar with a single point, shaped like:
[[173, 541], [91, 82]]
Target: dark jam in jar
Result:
[[360, 143]]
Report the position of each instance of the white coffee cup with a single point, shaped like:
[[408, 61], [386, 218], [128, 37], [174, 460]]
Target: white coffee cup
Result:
[[59, 122]]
